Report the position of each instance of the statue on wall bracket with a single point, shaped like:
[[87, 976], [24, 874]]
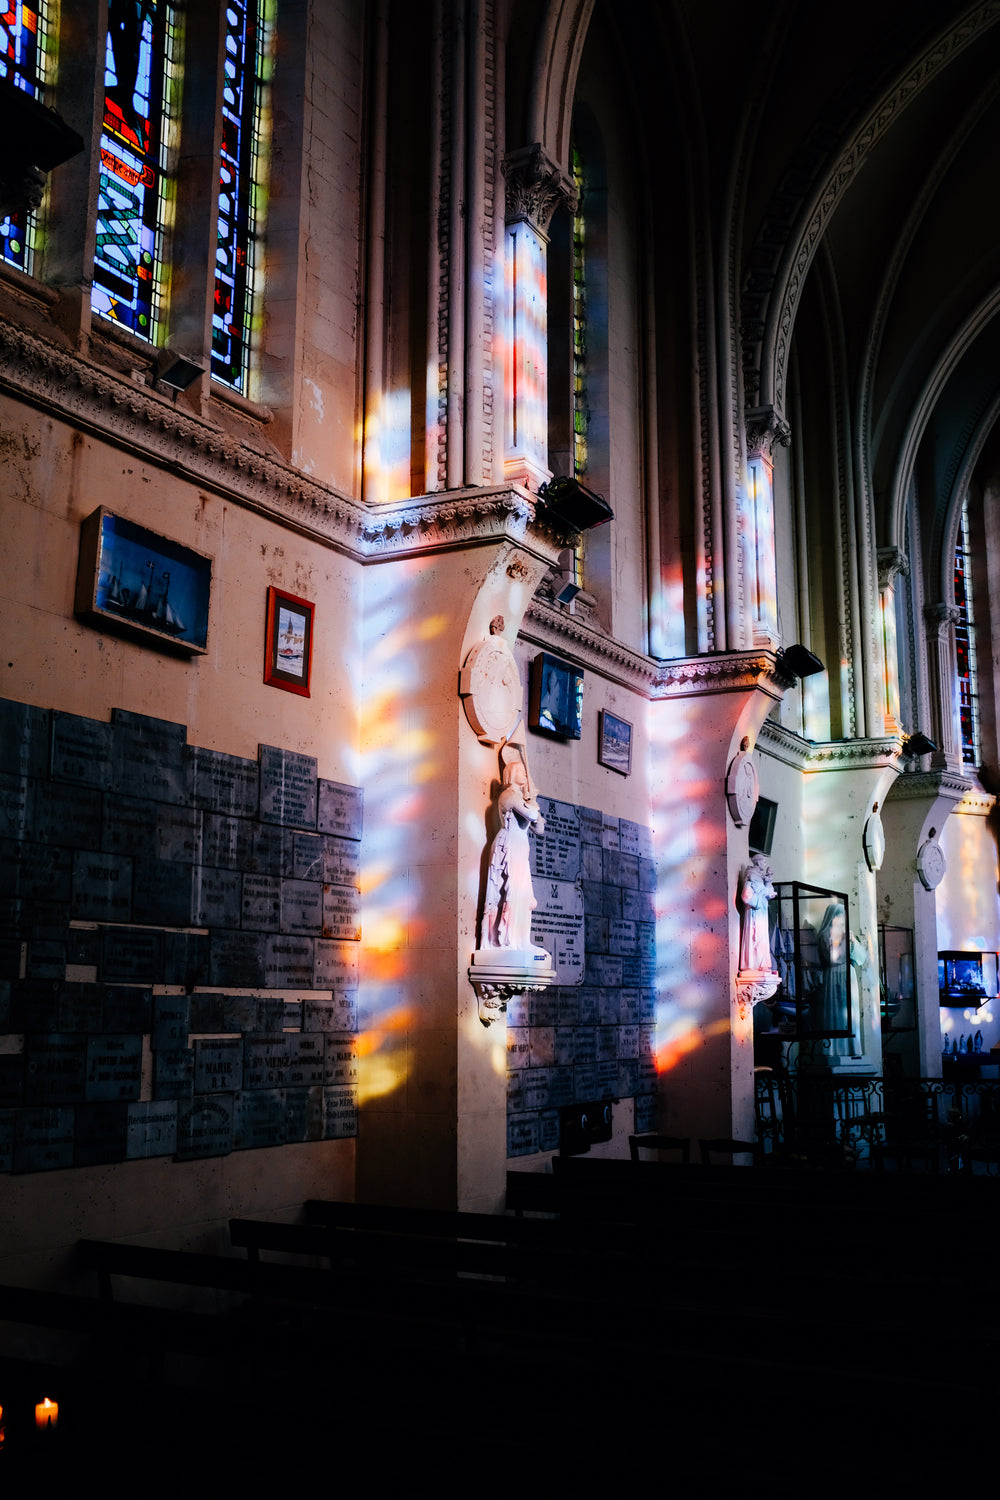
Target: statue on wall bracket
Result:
[[757, 978]]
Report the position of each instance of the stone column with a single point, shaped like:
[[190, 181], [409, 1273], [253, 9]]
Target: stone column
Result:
[[535, 186], [891, 562], [941, 620], [764, 428]]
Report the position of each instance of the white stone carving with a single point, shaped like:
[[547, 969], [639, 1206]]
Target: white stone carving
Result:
[[490, 685], [742, 786], [756, 891]]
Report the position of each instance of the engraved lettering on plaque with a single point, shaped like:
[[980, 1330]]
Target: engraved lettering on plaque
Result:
[[341, 912], [341, 809], [288, 792], [151, 1130], [557, 925], [81, 750], [204, 1127], [557, 851]]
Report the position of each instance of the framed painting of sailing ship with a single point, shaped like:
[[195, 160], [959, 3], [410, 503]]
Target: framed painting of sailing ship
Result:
[[288, 642], [614, 744], [141, 584]]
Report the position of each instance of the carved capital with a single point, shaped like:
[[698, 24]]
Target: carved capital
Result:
[[535, 186], [939, 616], [764, 428], [891, 561]]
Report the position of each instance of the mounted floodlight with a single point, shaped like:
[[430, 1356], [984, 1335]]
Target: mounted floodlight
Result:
[[567, 572], [800, 661], [179, 373], [569, 501], [918, 744]]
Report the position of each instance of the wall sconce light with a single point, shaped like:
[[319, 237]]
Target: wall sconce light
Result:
[[918, 744], [800, 661], [570, 502], [178, 373]]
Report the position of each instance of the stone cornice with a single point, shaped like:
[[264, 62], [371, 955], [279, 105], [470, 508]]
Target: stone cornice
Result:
[[830, 755], [149, 425], [927, 785], [555, 629], [726, 672]]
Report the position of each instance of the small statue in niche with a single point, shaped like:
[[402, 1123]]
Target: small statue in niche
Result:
[[510, 899], [756, 892]]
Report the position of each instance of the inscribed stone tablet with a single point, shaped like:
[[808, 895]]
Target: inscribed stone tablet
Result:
[[541, 1041], [206, 1013], [14, 814], [185, 958], [178, 834], [607, 1079], [259, 1120], [522, 1135], [604, 970], [561, 1087], [637, 906], [43, 1139], [536, 1088], [302, 907], [114, 1068], [585, 1044], [337, 1014], [7, 1121], [272, 850], [80, 1007], [152, 1130], [322, 857], [151, 757], [340, 809], [303, 1115], [237, 960], [55, 1069], [129, 826], [341, 912], [218, 1065], [584, 1082], [270, 1014], [224, 783], [288, 962], [548, 1130], [341, 1059], [261, 903], [341, 1111], [34, 1006], [607, 1044], [628, 1007], [37, 872], [102, 887], [305, 1063], [628, 1041], [126, 1008], [99, 1134], [518, 1046], [131, 954], [592, 862], [621, 938], [287, 787], [557, 925], [226, 842], [646, 1112], [563, 1040], [46, 959], [81, 750], [239, 1013], [171, 1021], [628, 1077], [204, 1127], [173, 1073], [264, 1061], [215, 897], [515, 1090], [556, 852], [24, 739], [591, 825], [610, 832], [621, 869], [336, 966]]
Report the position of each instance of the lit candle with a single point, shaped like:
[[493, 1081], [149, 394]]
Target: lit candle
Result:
[[46, 1413]]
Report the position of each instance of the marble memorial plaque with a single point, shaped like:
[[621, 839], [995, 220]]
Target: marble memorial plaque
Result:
[[518, 1046], [515, 1090], [55, 1069], [536, 1088], [647, 1006], [8, 1118], [238, 960], [585, 1044], [322, 857], [341, 1059], [226, 843], [239, 1014], [259, 1119], [186, 958], [178, 834], [129, 826], [647, 875], [270, 1014], [171, 1021], [607, 1079], [628, 1077], [336, 966], [151, 1130], [585, 1082], [341, 809], [272, 850], [218, 1065], [646, 1113], [34, 1006], [43, 1139], [83, 948], [607, 1045], [621, 938], [216, 897], [610, 832], [303, 1115], [204, 1127], [648, 1081], [647, 1041], [14, 810], [126, 1008], [637, 906], [24, 739], [341, 1113], [80, 1007], [11, 1080], [557, 925], [302, 908], [342, 912], [264, 1061], [597, 934], [261, 903], [628, 836], [46, 959], [100, 1133], [340, 1013], [305, 1065], [541, 1044], [81, 751], [522, 1135], [548, 1130], [207, 1013], [224, 783], [590, 1005], [41, 872], [592, 862], [287, 787], [621, 869], [609, 1007], [556, 852], [519, 1010], [563, 1046], [631, 970], [604, 970], [131, 955], [173, 1073], [288, 962], [290, 1018], [102, 887], [114, 1068], [151, 757], [628, 1041], [628, 1008], [561, 1087]]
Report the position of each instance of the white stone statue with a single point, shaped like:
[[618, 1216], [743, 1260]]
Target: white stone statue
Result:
[[756, 891], [510, 899]]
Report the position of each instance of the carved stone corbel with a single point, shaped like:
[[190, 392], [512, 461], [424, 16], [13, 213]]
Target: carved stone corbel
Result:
[[753, 985]]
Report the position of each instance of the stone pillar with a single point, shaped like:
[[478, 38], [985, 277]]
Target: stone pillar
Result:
[[764, 428], [941, 620], [535, 187], [891, 562]]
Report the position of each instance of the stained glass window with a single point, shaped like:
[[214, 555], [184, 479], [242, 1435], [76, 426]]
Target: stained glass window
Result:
[[237, 259], [22, 58], [965, 645], [133, 192]]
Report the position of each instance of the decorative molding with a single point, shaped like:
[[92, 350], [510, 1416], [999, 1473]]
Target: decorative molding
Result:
[[550, 626], [830, 755], [535, 187], [891, 562], [726, 672], [939, 617], [765, 428], [925, 786]]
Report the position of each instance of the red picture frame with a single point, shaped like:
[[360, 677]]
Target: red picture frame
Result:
[[288, 640]]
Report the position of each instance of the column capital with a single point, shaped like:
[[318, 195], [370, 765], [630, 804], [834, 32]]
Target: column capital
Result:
[[535, 186], [891, 561], [764, 428], [940, 616]]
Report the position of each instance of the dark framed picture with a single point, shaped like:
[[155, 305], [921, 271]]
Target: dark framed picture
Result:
[[556, 706], [138, 583], [614, 743], [288, 642]]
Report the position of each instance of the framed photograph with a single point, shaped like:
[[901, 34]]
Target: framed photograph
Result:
[[288, 642], [614, 743], [138, 583], [556, 697]]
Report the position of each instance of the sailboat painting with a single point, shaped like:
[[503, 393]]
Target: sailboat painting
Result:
[[288, 642], [143, 583]]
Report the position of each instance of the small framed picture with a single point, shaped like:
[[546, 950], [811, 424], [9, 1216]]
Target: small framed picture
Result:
[[614, 745], [556, 705], [288, 642]]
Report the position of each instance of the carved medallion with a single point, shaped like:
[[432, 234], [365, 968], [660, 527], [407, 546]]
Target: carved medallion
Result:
[[490, 685], [874, 841], [742, 788], [931, 864]]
